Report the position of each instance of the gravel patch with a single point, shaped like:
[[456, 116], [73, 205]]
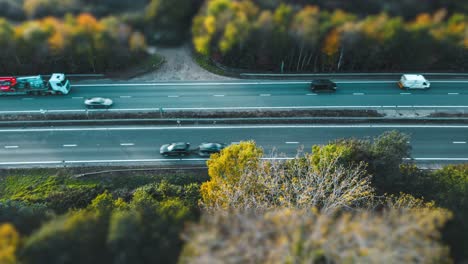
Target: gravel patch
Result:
[[179, 66]]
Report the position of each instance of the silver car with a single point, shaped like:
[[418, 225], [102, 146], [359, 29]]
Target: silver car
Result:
[[98, 102]]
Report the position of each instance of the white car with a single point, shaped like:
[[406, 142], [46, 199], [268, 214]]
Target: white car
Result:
[[98, 102], [413, 81]]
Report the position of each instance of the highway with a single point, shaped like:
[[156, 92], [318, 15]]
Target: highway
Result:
[[248, 94], [80, 146]]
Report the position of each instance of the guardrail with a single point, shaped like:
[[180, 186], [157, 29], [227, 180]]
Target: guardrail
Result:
[[460, 75], [163, 110]]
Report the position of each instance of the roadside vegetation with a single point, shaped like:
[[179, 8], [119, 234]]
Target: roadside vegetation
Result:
[[250, 35], [349, 201], [256, 36]]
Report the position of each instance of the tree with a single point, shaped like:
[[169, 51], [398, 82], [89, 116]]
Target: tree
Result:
[[264, 184], [77, 237], [9, 242], [308, 236], [226, 170], [170, 18], [24, 216]]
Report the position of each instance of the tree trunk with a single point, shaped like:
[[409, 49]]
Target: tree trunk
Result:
[[300, 56], [340, 59]]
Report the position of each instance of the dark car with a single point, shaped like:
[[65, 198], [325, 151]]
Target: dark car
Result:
[[206, 149], [175, 149], [323, 86], [98, 102]]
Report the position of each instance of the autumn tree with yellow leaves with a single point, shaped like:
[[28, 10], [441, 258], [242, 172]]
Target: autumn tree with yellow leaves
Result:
[[9, 242], [79, 43], [319, 207], [295, 38]]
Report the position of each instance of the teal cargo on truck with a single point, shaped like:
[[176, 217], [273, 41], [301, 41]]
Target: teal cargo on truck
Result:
[[35, 85]]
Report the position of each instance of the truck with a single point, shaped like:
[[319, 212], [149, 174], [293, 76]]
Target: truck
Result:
[[413, 81], [34, 85]]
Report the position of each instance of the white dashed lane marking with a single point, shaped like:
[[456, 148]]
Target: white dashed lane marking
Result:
[[69, 145], [292, 142], [459, 142], [127, 144], [172, 96], [265, 94], [11, 147]]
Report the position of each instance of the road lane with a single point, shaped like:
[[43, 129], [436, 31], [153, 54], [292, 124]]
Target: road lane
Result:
[[130, 95], [137, 144]]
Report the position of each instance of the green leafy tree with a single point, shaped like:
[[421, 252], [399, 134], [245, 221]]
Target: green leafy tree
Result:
[[24, 216]]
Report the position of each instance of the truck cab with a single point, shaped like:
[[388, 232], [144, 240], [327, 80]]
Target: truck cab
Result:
[[59, 83], [413, 81]]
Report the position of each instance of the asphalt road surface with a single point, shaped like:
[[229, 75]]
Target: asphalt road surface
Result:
[[444, 94], [140, 145]]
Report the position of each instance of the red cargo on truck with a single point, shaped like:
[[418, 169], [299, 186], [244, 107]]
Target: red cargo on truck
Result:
[[6, 83]]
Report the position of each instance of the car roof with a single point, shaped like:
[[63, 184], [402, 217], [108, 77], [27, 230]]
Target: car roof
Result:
[[179, 143], [322, 81], [414, 77]]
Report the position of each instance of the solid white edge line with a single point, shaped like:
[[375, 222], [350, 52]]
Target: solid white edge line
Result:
[[179, 160], [188, 84], [236, 83], [225, 127]]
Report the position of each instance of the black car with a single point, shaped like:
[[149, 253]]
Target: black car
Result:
[[323, 86], [206, 149], [175, 149]]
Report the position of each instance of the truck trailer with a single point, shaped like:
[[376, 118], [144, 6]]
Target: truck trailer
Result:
[[34, 85]]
